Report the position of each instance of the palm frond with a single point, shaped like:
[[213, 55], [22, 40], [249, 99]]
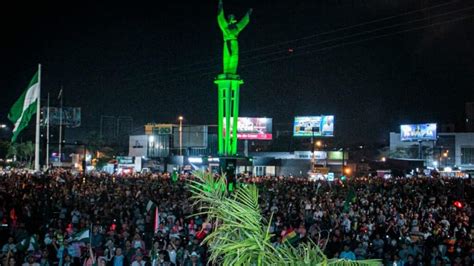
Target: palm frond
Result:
[[242, 236]]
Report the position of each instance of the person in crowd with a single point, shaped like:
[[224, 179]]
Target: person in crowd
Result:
[[347, 253], [138, 260], [118, 259], [30, 261]]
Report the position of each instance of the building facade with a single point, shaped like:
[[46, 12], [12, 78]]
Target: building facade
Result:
[[449, 150]]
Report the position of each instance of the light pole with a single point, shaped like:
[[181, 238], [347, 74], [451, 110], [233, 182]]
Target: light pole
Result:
[[319, 144], [445, 155], [312, 150], [180, 118], [2, 133]]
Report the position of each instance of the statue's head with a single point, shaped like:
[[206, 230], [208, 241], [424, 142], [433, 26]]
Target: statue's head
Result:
[[231, 19]]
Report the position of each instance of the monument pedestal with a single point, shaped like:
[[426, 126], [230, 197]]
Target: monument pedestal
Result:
[[228, 89]]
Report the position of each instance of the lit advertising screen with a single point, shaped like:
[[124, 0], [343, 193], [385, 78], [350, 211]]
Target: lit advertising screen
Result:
[[254, 128], [418, 132], [71, 116], [317, 126]]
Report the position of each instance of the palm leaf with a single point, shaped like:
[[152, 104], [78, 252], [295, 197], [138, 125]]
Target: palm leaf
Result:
[[242, 236]]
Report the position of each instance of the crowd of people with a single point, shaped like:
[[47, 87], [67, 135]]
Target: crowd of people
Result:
[[400, 221]]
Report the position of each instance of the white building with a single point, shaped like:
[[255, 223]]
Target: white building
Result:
[[449, 150]]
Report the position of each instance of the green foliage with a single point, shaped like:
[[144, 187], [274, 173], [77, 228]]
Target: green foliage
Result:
[[4, 148], [12, 150], [243, 236], [23, 152]]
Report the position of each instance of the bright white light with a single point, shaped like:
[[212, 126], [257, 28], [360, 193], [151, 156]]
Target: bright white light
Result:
[[448, 169], [435, 164], [195, 160], [151, 138], [3, 126]]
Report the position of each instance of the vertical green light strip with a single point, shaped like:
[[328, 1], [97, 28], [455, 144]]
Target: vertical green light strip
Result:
[[228, 115], [220, 120], [235, 115]]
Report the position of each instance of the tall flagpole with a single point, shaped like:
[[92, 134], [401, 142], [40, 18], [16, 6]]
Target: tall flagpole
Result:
[[38, 113], [60, 125], [47, 136]]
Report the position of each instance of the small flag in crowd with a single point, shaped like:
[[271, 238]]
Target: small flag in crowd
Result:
[[351, 198], [174, 176], [28, 244], [156, 221], [291, 237], [150, 205], [82, 236]]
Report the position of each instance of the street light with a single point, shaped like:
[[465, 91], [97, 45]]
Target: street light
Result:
[[3, 125], [347, 171], [180, 118], [319, 144]]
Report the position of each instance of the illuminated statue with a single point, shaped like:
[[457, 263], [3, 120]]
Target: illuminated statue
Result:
[[230, 30], [228, 83]]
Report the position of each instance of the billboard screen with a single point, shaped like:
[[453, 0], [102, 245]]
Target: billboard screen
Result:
[[254, 128], [418, 132], [71, 116], [317, 126]]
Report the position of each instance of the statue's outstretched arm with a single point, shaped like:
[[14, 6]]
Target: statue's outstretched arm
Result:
[[220, 16], [245, 20]]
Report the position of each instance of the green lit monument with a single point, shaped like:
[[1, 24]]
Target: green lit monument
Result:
[[228, 83]]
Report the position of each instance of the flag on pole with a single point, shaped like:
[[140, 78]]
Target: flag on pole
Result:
[[82, 236], [25, 107], [150, 205]]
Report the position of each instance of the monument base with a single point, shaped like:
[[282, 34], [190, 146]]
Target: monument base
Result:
[[228, 86], [228, 166]]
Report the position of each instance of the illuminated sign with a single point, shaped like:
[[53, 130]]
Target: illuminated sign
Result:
[[316, 126], [254, 128], [418, 132]]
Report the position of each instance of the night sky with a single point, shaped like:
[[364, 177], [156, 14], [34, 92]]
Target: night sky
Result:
[[155, 61]]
